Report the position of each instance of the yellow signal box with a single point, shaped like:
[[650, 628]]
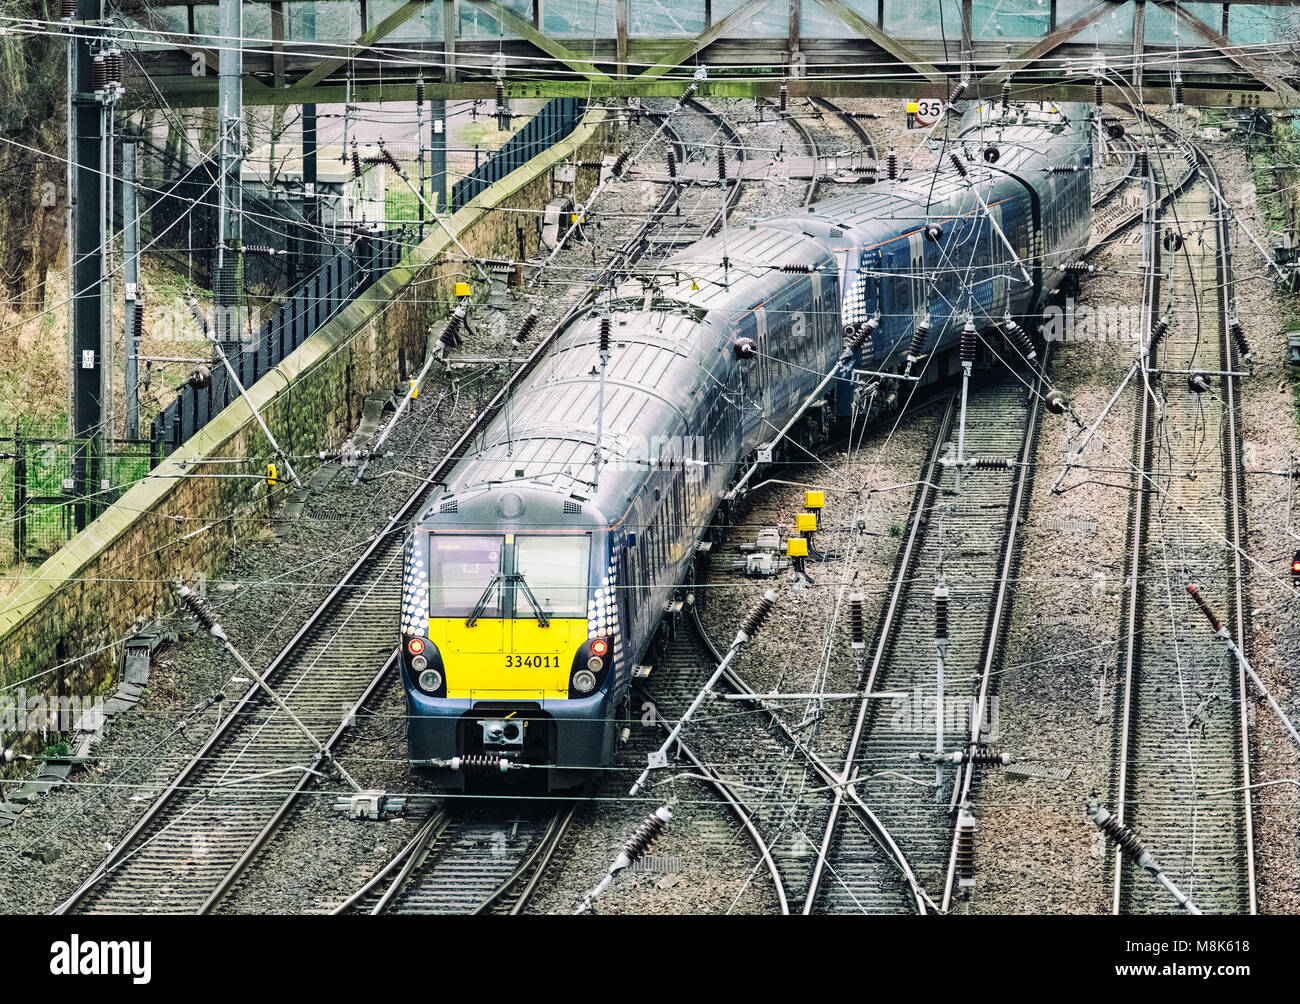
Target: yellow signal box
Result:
[[796, 547], [805, 522], [814, 500], [462, 289]]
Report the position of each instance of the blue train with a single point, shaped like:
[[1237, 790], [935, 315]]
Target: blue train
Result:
[[535, 582]]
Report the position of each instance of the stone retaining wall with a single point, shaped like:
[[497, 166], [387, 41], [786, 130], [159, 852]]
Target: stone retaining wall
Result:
[[62, 632]]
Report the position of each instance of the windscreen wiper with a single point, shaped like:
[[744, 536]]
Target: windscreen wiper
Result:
[[482, 603], [542, 619]]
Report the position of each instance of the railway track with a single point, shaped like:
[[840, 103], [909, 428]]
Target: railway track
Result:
[[1183, 709], [477, 858], [210, 822], [968, 542]]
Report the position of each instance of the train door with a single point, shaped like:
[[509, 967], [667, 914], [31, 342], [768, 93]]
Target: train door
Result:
[[916, 271], [998, 256], [765, 368]]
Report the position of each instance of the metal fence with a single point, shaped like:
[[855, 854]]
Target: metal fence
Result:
[[553, 122], [37, 500], [331, 288]]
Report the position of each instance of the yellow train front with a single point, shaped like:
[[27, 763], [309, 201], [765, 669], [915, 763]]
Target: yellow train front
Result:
[[510, 649]]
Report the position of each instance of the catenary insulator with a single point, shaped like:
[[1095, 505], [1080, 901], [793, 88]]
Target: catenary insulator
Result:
[[969, 342], [1239, 338], [419, 91], [387, 154], [757, 614], [1178, 90], [1019, 337], [1158, 332], [958, 89], [672, 166], [722, 164], [1064, 169], [783, 95], [868, 173], [891, 165], [450, 336], [356, 162], [994, 464], [1141, 163], [480, 763], [920, 335], [798, 268], [983, 756], [1078, 268], [1006, 95], [1125, 836], [964, 859], [199, 607], [1195, 594], [940, 613], [1096, 93], [646, 834], [1055, 401], [68, 10], [526, 328], [138, 319], [606, 326], [689, 93], [857, 623], [199, 316], [620, 163], [959, 164], [99, 72], [857, 338]]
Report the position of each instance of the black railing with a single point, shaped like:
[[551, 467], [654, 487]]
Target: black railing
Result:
[[327, 291], [556, 120]]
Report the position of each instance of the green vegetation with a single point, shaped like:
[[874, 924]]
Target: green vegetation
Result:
[[56, 751]]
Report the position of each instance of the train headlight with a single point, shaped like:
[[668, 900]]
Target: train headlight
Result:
[[419, 663], [430, 680], [584, 681], [595, 665]]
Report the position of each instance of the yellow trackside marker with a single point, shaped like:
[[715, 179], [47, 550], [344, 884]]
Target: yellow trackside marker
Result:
[[512, 714], [271, 475], [415, 391], [911, 108], [805, 522], [462, 289], [814, 500], [796, 547]]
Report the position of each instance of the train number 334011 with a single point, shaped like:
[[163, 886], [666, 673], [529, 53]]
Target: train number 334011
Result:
[[533, 661]]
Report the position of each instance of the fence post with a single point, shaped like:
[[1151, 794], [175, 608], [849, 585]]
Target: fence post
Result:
[[20, 498]]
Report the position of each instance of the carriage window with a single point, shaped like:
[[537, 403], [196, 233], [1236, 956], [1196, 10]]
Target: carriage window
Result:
[[460, 570], [555, 569]]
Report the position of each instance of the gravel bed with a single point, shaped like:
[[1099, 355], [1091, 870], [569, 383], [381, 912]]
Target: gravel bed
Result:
[[1036, 852]]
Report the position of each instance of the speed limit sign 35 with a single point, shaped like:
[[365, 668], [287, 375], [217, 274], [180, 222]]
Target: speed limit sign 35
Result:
[[926, 110]]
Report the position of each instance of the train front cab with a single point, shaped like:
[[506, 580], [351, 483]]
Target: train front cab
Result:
[[517, 657]]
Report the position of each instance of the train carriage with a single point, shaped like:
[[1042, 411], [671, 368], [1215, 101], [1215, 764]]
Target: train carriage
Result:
[[535, 581]]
